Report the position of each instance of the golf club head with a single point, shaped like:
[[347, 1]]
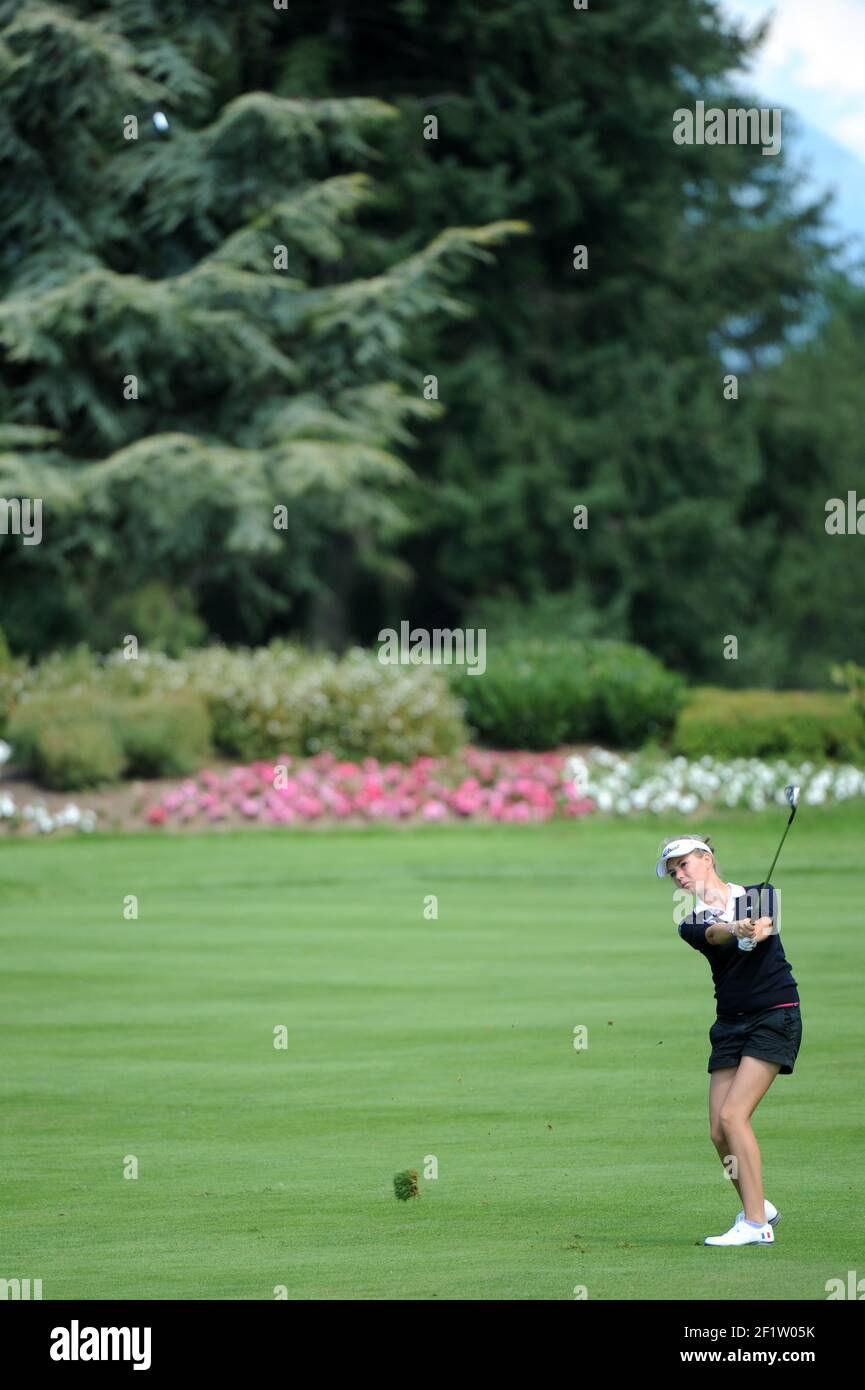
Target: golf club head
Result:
[[792, 795]]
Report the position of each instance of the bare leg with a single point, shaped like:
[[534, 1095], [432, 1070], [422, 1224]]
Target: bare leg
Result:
[[719, 1085], [751, 1082]]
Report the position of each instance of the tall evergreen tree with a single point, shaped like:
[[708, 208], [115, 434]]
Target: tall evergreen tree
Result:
[[804, 613], [188, 341], [602, 386]]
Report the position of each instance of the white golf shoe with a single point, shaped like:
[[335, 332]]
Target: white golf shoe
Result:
[[773, 1216], [743, 1234]]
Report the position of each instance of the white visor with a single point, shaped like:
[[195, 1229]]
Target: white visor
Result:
[[675, 848]]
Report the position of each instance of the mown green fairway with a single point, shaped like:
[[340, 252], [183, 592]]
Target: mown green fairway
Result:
[[409, 1037]]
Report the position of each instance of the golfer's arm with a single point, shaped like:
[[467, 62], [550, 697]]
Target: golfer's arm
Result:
[[720, 933]]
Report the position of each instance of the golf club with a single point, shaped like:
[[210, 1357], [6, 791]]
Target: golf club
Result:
[[791, 795]]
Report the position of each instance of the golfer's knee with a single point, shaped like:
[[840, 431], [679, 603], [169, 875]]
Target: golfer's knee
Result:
[[732, 1117], [718, 1137]]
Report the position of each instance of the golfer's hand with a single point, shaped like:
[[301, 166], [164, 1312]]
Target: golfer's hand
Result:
[[757, 931]]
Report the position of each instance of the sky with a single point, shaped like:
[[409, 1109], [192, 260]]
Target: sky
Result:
[[813, 62]]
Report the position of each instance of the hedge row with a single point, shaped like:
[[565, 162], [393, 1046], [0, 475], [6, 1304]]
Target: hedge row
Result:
[[77, 719], [770, 723], [80, 720], [540, 694]]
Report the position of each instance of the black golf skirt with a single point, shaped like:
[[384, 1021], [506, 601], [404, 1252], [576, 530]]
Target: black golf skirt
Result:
[[773, 1034]]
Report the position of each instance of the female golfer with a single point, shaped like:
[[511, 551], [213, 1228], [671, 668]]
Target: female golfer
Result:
[[758, 1029]]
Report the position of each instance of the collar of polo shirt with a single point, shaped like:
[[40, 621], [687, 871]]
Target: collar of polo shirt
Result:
[[737, 890]]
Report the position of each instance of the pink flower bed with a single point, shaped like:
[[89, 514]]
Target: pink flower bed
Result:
[[477, 785]]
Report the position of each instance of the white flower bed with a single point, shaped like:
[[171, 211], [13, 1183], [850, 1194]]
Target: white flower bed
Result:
[[620, 784], [37, 814]]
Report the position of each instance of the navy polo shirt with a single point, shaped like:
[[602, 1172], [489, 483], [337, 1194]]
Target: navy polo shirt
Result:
[[745, 981]]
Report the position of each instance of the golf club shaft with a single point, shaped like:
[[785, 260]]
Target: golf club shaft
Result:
[[778, 851]]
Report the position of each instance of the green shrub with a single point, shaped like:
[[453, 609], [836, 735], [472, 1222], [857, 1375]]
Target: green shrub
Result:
[[163, 736], [84, 740], [262, 701], [533, 694], [12, 678], [770, 723], [539, 694], [81, 753], [637, 699], [75, 671], [66, 744], [281, 699], [387, 712]]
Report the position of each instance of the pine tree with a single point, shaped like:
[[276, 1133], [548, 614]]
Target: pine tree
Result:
[[198, 382], [602, 386]]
